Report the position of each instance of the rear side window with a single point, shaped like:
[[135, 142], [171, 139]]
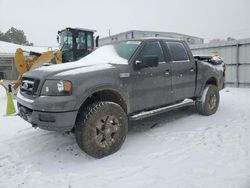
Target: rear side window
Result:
[[178, 51]]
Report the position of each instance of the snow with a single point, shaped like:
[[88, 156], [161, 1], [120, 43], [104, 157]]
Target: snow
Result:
[[10, 48], [104, 54], [101, 56], [178, 149]]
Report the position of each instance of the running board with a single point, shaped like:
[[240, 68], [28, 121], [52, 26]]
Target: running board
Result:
[[144, 114]]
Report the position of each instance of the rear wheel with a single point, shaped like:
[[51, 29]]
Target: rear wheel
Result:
[[101, 129], [209, 102]]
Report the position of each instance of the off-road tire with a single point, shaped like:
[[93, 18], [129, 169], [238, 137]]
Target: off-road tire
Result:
[[209, 101], [90, 134]]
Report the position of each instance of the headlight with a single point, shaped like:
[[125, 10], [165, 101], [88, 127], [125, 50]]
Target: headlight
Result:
[[56, 88]]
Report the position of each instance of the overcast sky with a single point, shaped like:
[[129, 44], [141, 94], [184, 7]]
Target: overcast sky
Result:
[[40, 19]]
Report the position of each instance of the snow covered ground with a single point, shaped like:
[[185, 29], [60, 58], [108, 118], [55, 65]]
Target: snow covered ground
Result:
[[178, 149]]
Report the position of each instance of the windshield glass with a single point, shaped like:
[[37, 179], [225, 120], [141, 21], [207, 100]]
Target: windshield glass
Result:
[[65, 40], [126, 49], [118, 52]]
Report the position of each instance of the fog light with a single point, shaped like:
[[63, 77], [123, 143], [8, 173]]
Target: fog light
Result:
[[47, 118]]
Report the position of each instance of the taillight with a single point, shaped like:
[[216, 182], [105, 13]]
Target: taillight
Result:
[[224, 70]]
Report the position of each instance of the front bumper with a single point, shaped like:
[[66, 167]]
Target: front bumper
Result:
[[50, 113], [56, 121]]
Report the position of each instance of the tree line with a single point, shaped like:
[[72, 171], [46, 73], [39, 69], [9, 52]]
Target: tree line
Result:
[[15, 36]]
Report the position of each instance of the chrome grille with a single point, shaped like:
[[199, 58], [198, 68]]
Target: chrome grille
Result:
[[29, 86]]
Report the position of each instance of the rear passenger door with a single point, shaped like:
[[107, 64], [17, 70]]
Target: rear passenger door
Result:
[[183, 70]]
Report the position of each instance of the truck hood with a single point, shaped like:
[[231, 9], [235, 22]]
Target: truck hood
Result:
[[97, 60], [67, 69]]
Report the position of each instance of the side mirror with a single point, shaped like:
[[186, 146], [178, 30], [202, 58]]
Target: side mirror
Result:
[[147, 61], [57, 38]]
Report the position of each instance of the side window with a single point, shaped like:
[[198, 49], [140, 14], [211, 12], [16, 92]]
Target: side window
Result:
[[152, 49], [177, 51], [89, 41]]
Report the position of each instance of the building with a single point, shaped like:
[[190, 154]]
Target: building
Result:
[[133, 34], [8, 69]]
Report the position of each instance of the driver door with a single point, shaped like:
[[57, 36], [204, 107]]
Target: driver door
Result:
[[151, 85]]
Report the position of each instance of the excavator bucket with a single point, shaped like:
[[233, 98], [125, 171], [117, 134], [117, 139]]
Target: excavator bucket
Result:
[[49, 56], [34, 60]]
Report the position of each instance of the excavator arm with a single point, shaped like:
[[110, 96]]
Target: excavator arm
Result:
[[24, 64], [34, 60]]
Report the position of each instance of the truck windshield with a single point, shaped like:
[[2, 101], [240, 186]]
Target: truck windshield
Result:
[[65, 40], [126, 49], [113, 53]]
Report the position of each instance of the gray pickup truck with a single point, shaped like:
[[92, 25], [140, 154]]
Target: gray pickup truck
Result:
[[95, 97]]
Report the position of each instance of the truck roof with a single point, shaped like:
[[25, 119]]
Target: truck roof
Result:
[[148, 38], [159, 38], [77, 28]]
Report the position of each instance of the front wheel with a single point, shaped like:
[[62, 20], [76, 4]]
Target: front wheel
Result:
[[209, 102], [101, 128]]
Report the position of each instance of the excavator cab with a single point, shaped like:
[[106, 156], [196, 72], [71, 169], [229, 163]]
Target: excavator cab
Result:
[[75, 43]]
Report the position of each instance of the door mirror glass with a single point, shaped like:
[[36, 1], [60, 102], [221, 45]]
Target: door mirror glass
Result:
[[147, 61], [150, 55]]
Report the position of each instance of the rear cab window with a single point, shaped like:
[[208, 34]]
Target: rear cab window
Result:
[[177, 51]]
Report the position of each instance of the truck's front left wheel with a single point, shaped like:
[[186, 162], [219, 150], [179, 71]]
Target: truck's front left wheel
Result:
[[101, 128]]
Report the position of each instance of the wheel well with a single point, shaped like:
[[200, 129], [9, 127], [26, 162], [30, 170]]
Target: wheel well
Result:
[[211, 81], [106, 95]]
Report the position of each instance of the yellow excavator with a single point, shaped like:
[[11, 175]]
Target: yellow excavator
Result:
[[74, 44]]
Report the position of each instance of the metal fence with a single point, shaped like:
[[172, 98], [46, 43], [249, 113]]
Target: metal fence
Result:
[[236, 55]]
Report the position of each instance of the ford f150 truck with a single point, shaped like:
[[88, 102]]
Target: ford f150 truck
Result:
[[95, 96]]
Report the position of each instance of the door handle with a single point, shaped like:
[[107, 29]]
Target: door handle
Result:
[[167, 72], [191, 69]]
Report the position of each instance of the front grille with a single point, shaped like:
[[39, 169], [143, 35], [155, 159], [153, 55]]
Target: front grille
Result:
[[24, 112], [29, 86]]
